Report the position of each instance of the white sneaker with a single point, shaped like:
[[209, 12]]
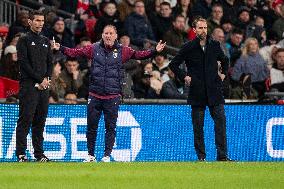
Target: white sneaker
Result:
[[105, 159], [90, 159]]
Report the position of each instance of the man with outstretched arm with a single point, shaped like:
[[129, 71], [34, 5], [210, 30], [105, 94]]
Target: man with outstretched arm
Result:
[[106, 74]]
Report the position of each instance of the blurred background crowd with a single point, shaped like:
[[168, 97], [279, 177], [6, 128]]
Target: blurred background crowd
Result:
[[250, 32]]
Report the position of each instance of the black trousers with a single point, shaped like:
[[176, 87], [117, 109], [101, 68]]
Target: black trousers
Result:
[[33, 108], [218, 115], [110, 109]]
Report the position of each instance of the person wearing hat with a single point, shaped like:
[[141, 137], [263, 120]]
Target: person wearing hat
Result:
[[243, 18], [35, 60], [61, 33]]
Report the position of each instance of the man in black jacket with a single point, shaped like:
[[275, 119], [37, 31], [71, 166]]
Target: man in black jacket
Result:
[[201, 56], [34, 57]]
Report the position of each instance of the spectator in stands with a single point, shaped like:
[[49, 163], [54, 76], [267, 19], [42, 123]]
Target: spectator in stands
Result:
[[15, 39], [234, 45], [9, 63], [155, 82], [69, 5], [257, 30], [70, 98], [173, 88], [277, 72], [48, 24], [94, 10], [278, 25], [268, 12], [125, 8], [53, 98], [216, 16], [4, 29], [184, 7], [230, 9], [130, 68], [72, 76], [81, 27], [251, 67], [268, 52], [61, 34], [202, 8], [161, 64], [84, 63], [110, 16], [243, 18], [1, 47], [259, 21], [227, 26], [21, 25], [105, 86], [142, 87], [162, 22], [153, 9], [58, 85], [138, 26], [254, 11], [176, 36], [218, 35]]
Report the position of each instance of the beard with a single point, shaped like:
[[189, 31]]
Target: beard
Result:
[[202, 36]]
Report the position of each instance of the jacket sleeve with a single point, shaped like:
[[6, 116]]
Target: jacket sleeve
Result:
[[129, 53], [23, 60], [78, 52], [49, 62], [178, 60], [223, 59]]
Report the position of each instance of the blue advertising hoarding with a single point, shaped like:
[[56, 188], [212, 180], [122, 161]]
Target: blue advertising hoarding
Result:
[[153, 133]]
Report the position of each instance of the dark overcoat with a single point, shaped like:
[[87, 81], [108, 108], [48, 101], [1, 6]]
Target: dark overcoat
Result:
[[202, 66]]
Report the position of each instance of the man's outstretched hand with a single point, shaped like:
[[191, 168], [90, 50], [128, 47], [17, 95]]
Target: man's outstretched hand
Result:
[[160, 46]]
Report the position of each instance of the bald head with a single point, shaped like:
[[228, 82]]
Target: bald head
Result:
[[218, 35]]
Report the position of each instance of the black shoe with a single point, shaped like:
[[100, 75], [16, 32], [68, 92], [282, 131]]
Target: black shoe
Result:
[[42, 158], [224, 159], [201, 159], [22, 158]]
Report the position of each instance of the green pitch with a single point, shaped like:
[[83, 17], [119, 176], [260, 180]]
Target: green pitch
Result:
[[142, 175]]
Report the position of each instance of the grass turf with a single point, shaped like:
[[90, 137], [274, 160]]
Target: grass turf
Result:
[[142, 175]]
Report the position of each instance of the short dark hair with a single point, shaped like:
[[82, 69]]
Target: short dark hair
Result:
[[70, 92], [33, 13], [279, 50], [237, 31], [217, 5], [72, 59], [178, 16], [165, 4]]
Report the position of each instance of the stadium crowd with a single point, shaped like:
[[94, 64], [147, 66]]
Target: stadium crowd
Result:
[[250, 33]]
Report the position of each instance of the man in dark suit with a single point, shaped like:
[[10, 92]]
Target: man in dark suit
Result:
[[201, 57]]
